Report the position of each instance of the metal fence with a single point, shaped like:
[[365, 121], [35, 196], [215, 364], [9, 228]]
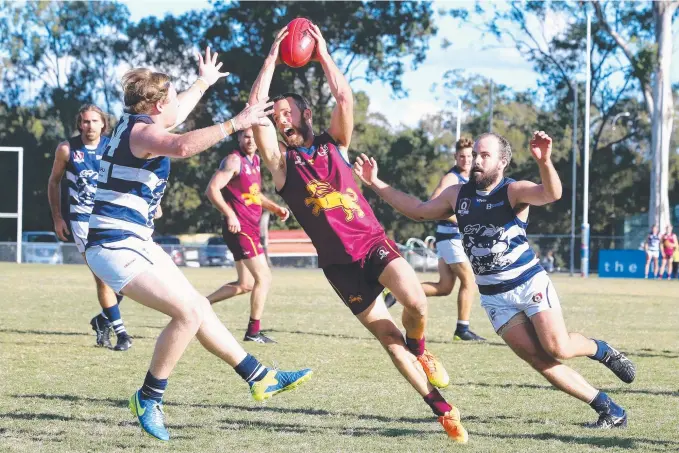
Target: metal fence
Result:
[[419, 253]]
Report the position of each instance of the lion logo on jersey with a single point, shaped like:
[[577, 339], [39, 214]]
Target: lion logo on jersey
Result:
[[86, 184], [253, 196], [324, 197], [485, 246]]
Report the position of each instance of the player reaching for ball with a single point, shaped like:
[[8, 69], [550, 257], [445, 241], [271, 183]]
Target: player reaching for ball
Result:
[[312, 174], [132, 179], [517, 294]]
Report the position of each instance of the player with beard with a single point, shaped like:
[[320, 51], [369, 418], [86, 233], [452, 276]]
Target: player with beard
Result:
[[312, 174], [78, 158], [453, 263], [516, 292]]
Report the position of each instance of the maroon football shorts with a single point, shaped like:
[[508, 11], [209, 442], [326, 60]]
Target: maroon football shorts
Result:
[[357, 283], [244, 245]]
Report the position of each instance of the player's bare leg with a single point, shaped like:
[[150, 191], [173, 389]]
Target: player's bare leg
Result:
[[243, 285], [261, 272], [445, 284], [378, 321], [523, 339], [465, 297], [164, 287], [402, 281], [109, 318]]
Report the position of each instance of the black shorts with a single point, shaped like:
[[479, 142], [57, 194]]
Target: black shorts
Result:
[[357, 283]]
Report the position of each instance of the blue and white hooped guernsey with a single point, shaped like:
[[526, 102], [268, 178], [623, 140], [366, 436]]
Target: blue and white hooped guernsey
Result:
[[494, 239], [81, 177], [130, 189], [445, 229], [653, 243]]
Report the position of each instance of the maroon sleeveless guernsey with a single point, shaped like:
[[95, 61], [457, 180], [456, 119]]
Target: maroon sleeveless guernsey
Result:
[[242, 193], [322, 194]]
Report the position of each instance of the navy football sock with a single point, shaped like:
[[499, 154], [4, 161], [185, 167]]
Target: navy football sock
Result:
[[250, 369], [601, 348], [113, 316], [153, 388], [603, 404]]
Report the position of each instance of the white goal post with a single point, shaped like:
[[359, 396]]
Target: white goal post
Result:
[[20, 198]]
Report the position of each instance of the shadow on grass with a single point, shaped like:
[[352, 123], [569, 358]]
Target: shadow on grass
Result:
[[44, 332], [280, 410], [235, 424], [58, 333], [369, 338], [652, 353], [549, 387], [69, 418], [635, 443]]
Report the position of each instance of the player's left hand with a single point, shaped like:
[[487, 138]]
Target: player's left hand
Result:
[[366, 169], [321, 46], [541, 146], [208, 68], [283, 213]]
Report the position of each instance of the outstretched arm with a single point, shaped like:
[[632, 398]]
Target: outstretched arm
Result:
[[208, 75], [150, 140], [342, 119], [269, 205], [438, 208], [527, 192], [265, 133]]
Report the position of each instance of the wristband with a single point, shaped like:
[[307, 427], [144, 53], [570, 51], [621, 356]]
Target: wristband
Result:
[[233, 125], [221, 128], [202, 80]]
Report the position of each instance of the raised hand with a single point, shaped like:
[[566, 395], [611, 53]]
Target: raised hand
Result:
[[321, 46], [208, 68], [275, 47], [254, 115], [366, 169], [541, 146]]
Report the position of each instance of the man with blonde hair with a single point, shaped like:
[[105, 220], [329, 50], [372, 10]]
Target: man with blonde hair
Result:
[[78, 158], [132, 180]]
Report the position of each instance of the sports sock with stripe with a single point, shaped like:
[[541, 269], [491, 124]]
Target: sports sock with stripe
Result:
[[250, 369], [153, 388]]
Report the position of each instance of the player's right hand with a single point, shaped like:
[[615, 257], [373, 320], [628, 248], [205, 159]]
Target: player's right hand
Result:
[[366, 169], [254, 115], [61, 229], [275, 47], [233, 224]]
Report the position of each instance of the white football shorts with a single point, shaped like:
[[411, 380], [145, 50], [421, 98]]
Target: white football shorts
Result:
[[451, 251], [532, 297], [118, 263]]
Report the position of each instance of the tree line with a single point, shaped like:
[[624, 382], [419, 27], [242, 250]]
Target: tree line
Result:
[[61, 55]]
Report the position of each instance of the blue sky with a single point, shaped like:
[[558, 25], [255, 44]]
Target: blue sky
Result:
[[505, 66]]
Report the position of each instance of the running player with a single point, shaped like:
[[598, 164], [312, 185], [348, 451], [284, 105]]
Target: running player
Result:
[[235, 190], [312, 174], [453, 263], [132, 179], [669, 243], [78, 158], [517, 294], [652, 247]]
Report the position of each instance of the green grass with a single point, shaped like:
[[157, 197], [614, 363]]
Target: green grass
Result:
[[60, 393]]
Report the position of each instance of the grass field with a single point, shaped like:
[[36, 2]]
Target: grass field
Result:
[[60, 393]]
